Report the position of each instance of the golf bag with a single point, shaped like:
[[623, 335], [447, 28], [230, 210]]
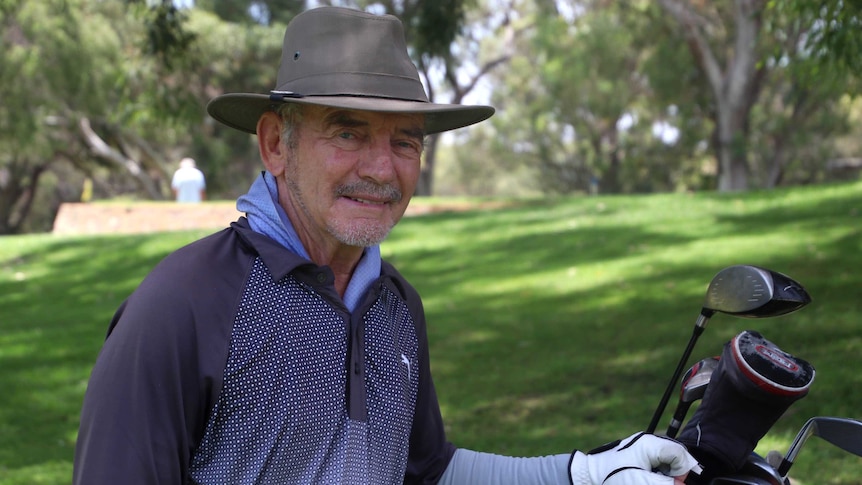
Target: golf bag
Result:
[[754, 384]]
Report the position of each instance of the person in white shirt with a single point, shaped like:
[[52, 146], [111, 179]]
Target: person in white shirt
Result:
[[188, 182]]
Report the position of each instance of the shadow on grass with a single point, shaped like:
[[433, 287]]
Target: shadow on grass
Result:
[[550, 362], [56, 307]]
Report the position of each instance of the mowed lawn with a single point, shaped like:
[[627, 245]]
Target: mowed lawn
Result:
[[554, 323]]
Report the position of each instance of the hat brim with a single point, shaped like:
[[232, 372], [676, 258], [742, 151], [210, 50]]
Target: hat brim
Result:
[[242, 110]]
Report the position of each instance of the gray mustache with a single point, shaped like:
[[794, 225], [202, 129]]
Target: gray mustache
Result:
[[365, 187]]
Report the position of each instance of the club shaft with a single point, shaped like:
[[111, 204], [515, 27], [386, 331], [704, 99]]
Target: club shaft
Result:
[[800, 440], [698, 329], [678, 416]]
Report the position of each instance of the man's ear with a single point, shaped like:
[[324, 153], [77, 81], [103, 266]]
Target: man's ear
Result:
[[272, 151]]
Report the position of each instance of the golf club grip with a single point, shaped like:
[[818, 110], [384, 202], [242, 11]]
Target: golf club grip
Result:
[[784, 467]]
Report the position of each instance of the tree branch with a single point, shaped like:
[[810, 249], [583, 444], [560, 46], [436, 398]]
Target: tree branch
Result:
[[698, 45], [99, 148]]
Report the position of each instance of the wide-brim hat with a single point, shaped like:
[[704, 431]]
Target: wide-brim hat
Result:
[[344, 58]]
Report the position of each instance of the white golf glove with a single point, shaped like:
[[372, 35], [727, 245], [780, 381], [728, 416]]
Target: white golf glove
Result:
[[631, 462]]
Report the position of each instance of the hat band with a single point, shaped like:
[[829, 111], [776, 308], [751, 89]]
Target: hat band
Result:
[[362, 84]]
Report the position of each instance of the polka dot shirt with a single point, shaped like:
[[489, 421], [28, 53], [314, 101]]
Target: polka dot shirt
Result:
[[312, 394]]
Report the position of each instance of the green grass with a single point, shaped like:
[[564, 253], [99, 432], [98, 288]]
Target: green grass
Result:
[[554, 323]]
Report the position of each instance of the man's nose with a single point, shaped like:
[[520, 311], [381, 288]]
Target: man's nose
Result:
[[378, 162]]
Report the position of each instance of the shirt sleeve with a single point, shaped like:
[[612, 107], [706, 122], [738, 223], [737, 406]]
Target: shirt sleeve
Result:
[[158, 375], [134, 427], [475, 468]]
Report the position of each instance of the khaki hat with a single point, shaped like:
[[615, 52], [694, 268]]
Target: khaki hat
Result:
[[344, 58]]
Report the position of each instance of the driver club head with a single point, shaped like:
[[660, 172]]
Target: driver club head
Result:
[[754, 292], [845, 433]]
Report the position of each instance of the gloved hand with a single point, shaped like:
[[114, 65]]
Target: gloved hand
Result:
[[631, 462]]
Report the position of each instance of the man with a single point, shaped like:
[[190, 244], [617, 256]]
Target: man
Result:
[[188, 182], [283, 349]]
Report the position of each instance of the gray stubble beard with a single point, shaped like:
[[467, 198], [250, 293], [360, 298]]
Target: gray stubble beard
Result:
[[345, 233]]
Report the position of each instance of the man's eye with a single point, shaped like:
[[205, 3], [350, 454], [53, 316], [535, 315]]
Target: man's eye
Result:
[[406, 144], [346, 135]]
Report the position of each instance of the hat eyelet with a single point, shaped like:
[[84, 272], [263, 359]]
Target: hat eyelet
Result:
[[296, 56]]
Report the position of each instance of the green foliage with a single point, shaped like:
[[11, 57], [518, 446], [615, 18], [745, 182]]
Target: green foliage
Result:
[[57, 60], [265, 12], [430, 27], [835, 41], [247, 63], [166, 36], [580, 106], [140, 78], [436, 26], [554, 323]]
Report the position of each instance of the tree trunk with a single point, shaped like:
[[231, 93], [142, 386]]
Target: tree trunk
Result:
[[776, 167], [425, 186], [17, 196], [459, 90], [731, 150], [611, 179], [735, 86], [800, 109]]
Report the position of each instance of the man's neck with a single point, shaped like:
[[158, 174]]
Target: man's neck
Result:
[[342, 261]]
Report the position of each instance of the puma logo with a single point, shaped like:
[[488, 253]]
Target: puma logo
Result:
[[406, 361]]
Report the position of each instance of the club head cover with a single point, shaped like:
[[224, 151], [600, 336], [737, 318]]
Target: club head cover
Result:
[[754, 384]]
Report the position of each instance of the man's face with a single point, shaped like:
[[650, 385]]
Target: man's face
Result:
[[351, 174]]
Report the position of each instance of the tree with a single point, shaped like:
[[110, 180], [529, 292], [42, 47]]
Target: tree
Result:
[[592, 73], [62, 76], [784, 51], [84, 93], [248, 63], [724, 43], [801, 106], [114, 94], [598, 80], [573, 101]]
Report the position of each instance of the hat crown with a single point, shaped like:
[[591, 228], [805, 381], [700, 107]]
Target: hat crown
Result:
[[333, 51], [345, 59]]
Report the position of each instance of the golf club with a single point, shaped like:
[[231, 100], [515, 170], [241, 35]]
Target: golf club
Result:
[[692, 388], [741, 290], [844, 433]]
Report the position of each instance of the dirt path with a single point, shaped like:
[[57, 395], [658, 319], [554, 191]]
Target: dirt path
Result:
[[145, 217], [142, 217]]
